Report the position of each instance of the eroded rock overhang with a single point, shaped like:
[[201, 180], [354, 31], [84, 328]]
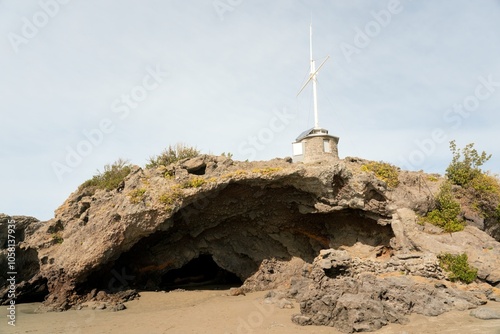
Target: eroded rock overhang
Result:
[[243, 214], [241, 223]]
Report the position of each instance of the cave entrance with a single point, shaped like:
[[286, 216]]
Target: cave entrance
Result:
[[201, 272]]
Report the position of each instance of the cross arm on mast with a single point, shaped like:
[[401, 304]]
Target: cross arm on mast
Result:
[[313, 75]]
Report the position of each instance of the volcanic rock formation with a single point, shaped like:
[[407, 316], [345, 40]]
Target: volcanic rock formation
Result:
[[260, 225]]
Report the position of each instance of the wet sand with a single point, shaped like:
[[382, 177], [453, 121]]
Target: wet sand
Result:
[[213, 311]]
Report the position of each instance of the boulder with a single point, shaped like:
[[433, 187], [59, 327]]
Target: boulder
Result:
[[485, 313], [195, 165]]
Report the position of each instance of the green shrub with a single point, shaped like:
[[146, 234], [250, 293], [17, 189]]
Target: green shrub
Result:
[[267, 171], [484, 190], [172, 154], [57, 238], [169, 174], [432, 178], [111, 177], [137, 195], [465, 164], [194, 182], [485, 184], [384, 171], [458, 267], [447, 210], [481, 188], [435, 217], [172, 197]]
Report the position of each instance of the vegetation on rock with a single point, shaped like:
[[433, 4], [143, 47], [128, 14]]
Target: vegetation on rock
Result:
[[169, 174], [171, 197], [384, 171], [458, 267], [173, 154], [447, 210], [465, 164], [57, 238], [227, 155], [479, 188], [194, 182], [137, 195], [239, 172], [112, 176], [485, 193], [267, 171]]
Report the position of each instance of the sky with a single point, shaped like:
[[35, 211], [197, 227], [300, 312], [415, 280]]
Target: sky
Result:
[[84, 83]]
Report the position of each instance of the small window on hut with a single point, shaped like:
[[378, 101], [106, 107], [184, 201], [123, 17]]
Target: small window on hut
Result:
[[326, 146]]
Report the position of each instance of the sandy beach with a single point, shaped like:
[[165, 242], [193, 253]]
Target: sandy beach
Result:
[[213, 311]]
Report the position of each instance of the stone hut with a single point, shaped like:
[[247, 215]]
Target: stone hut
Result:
[[315, 145]]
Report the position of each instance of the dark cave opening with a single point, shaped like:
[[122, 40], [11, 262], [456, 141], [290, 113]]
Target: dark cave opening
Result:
[[200, 272], [36, 294]]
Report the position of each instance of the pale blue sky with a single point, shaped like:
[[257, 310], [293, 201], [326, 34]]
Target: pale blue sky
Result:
[[227, 74]]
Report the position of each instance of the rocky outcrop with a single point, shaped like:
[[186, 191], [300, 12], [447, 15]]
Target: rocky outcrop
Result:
[[23, 257], [483, 251], [259, 224], [335, 291]]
